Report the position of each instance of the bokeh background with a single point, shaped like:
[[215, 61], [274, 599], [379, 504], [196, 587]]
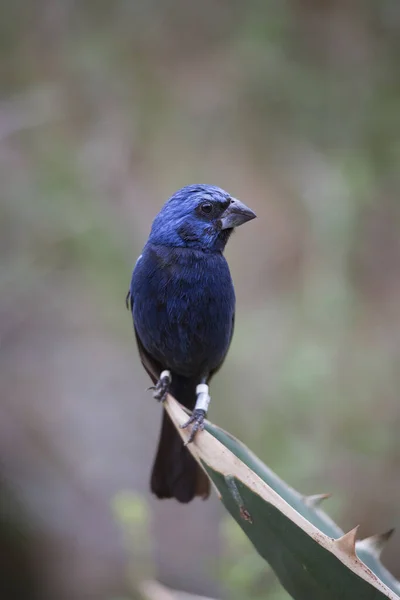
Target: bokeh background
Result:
[[106, 109]]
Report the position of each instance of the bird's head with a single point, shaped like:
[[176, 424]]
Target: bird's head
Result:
[[199, 216]]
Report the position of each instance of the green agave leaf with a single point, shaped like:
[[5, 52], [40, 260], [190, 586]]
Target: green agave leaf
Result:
[[309, 553], [368, 550]]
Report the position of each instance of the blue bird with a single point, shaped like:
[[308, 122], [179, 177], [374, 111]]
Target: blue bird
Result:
[[183, 305]]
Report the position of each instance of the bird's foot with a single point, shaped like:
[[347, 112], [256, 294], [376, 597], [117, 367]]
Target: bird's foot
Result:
[[199, 413], [197, 419], [160, 390]]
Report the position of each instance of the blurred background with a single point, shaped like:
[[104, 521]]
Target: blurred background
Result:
[[106, 109]]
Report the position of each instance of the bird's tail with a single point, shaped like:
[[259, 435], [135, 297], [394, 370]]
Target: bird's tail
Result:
[[175, 473]]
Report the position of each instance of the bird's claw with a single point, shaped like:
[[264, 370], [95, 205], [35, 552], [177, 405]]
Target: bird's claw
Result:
[[197, 419], [160, 390]]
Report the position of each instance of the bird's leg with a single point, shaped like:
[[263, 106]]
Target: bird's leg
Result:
[[200, 411], [162, 386]]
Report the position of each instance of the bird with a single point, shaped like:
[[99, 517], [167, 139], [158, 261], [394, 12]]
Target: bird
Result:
[[182, 302]]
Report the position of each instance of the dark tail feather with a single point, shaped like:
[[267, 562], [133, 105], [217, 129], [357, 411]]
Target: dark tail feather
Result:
[[175, 472]]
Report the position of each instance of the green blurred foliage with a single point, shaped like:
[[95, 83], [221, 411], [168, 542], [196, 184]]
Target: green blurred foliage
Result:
[[244, 573], [132, 514], [105, 110]]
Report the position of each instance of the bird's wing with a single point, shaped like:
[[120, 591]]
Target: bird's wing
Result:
[[152, 366], [230, 340], [129, 296], [129, 301], [233, 327]]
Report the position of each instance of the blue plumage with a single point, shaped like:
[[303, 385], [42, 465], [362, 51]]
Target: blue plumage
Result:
[[183, 309], [183, 305]]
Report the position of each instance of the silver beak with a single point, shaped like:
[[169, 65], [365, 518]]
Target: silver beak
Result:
[[236, 214]]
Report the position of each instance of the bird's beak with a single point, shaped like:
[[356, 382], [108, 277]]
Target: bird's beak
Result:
[[236, 214]]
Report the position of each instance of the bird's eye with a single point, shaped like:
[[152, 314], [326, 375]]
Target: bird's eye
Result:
[[206, 208]]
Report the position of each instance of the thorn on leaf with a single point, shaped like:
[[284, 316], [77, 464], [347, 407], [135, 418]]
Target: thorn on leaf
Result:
[[315, 500], [347, 543]]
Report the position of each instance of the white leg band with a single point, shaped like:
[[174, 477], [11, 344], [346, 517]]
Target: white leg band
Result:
[[203, 398], [166, 374]]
